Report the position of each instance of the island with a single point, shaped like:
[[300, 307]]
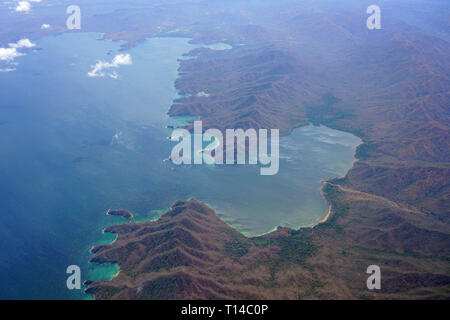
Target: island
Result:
[[121, 213]]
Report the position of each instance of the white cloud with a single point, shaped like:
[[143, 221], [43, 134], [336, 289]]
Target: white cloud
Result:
[[121, 59], [114, 75], [98, 70], [202, 94], [23, 6], [7, 69], [9, 54], [45, 26], [22, 43]]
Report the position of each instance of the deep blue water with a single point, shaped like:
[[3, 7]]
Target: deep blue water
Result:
[[61, 167]]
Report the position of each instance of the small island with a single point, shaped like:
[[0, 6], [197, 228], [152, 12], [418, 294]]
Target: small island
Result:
[[121, 212]]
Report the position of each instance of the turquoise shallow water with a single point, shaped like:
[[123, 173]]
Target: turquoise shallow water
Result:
[[73, 146]]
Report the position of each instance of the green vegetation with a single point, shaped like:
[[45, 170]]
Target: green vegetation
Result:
[[159, 288], [297, 248], [340, 208], [325, 113], [236, 248], [316, 283], [363, 151], [294, 249], [261, 241]]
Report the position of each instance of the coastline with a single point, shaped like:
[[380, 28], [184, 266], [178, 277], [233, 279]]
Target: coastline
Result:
[[327, 216], [330, 207], [222, 216]]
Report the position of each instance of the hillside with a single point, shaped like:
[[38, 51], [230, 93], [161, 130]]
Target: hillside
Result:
[[189, 253]]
